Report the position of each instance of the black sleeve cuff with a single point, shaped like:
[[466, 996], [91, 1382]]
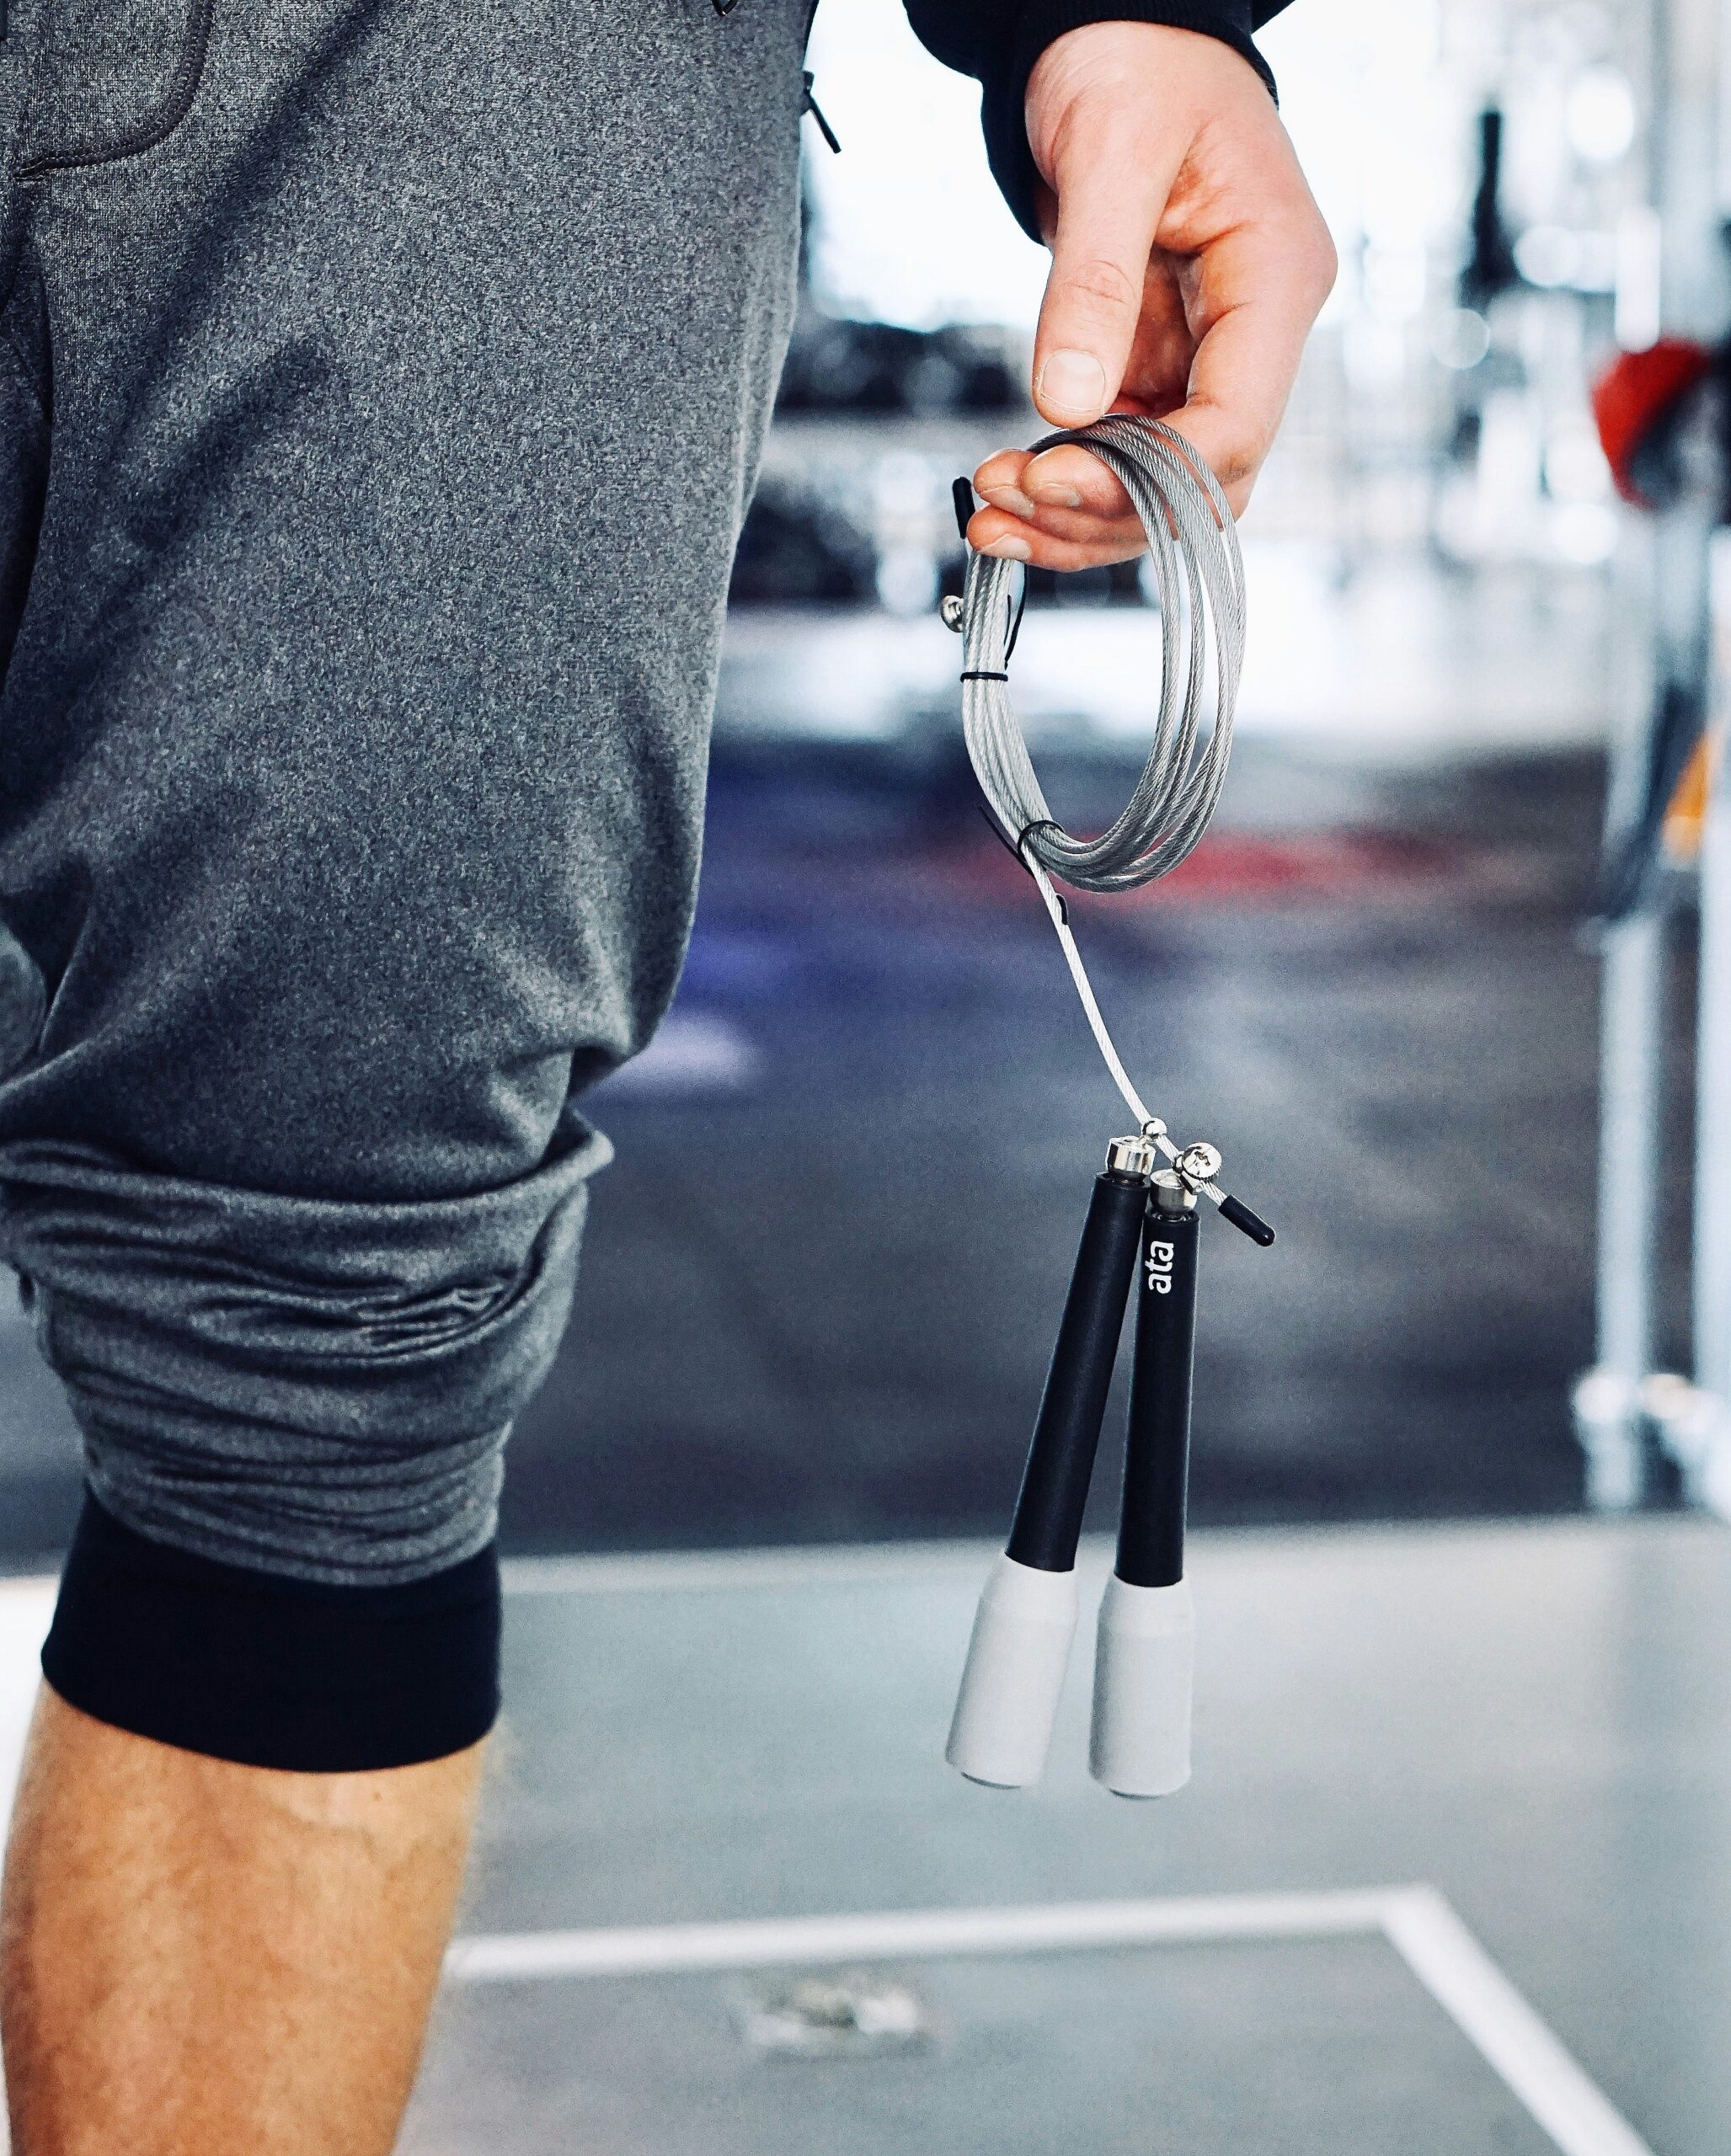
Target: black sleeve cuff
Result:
[[1004, 59]]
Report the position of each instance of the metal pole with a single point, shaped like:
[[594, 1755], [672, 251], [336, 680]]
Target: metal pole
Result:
[[1614, 1403], [1694, 181], [1707, 1445], [1608, 1401], [1610, 1421]]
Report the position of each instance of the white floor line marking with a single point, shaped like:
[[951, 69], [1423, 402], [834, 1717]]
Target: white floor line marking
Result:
[[790, 1942], [797, 1566], [1518, 2047], [1486, 2008], [637, 1571]]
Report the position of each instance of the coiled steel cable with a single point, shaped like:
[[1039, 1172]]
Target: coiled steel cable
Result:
[[1199, 575]]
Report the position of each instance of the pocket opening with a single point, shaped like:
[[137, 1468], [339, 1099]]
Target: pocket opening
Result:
[[146, 132]]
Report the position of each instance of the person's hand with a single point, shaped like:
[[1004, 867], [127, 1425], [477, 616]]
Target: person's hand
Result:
[[1188, 262]]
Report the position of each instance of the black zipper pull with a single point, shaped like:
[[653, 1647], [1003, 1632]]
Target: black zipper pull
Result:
[[722, 7], [810, 104]]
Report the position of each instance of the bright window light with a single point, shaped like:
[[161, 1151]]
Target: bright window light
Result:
[[908, 225], [1601, 114]]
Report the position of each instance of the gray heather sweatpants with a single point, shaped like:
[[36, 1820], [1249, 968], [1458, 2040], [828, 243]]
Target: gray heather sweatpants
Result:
[[381, 388]]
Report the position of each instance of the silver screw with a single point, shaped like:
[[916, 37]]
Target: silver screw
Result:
[[949, 611], [1198, 1164]]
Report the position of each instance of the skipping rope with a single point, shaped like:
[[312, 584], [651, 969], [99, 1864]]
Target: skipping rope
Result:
[[1142, 1224]]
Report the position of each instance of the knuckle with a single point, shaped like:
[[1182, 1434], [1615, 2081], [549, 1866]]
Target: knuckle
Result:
[[1098, 282]]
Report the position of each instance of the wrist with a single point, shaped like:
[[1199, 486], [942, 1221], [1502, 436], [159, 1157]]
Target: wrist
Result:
[[1040, 25], [1095, 59]]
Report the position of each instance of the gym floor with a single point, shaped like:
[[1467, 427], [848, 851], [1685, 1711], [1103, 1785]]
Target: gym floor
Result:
[[1522, 1718], [714, 1768]]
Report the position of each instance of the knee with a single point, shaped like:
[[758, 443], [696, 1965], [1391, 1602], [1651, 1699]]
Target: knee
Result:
[[294, 1413], [308, 1388]]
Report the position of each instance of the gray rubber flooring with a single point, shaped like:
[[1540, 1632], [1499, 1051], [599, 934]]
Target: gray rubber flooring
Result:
[[1533, 1719], [1285, 2051]]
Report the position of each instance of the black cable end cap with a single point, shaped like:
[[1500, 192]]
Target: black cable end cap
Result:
[[961, 493], [1247, 1222]]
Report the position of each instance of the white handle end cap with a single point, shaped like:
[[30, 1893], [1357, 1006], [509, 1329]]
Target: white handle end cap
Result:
[[1014, 1675]]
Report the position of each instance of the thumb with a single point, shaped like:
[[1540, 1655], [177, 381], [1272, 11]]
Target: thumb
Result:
[[1107, 215]]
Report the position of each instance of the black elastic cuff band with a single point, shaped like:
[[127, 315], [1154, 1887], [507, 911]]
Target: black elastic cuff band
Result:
[[271, 1672]]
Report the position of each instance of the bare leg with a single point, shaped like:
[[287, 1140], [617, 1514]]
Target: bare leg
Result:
[[200, 1956]]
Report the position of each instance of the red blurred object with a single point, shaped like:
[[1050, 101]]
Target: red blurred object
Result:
[[1256, 870], [1633, 398]]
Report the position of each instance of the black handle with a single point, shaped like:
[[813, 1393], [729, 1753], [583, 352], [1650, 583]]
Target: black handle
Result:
[[1157, 1455], [1066, 1432]]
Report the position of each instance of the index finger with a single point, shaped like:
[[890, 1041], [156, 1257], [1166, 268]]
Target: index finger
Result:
[[1066, 478]]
